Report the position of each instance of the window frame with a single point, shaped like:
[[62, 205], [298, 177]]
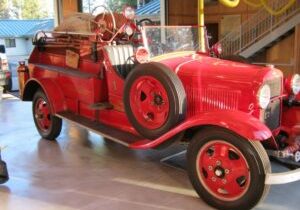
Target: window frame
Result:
[[10, 42]]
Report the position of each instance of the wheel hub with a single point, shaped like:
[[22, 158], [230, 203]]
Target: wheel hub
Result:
[[158, 100], [42, 114], [220, 172]]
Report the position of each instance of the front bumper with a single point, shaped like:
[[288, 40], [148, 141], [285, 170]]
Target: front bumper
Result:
[[283, 178]]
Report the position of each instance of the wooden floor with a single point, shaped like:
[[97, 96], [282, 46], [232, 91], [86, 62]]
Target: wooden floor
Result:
[[82, 171]]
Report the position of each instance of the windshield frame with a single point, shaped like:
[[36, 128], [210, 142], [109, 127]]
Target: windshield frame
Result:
[[205, 49]]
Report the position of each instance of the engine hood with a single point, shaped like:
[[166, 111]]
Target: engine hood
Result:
[[203, 66], [213, 83]]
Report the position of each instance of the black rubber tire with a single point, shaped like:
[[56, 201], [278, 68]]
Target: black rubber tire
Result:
[[55, 128], [237, 58], [174, 89], [255, 156]]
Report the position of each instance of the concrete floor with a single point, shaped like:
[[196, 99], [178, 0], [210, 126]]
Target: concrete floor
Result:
[[81, 171]]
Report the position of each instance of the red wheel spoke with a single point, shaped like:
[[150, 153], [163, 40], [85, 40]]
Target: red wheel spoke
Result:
[[147, 88], [42, 114], [146, 106], [160, 116], [47, 122], [237, 182], [236, 173], [221, 151], [207, 161]]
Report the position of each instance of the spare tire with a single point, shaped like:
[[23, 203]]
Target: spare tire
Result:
[[154, 99]]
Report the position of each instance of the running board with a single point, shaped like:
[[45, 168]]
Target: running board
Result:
[[101, 106], [114, 134]]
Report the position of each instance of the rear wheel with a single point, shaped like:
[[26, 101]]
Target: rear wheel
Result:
[[227, 171], [48, 125]]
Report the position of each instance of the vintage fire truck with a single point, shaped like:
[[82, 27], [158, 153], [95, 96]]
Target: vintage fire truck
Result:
[[148, 86]]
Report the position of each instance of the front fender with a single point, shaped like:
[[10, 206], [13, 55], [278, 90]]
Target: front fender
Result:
[[50, 88], [241, 123]]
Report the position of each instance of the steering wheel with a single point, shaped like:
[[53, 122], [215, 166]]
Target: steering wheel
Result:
[[140, 23], [105, 22]]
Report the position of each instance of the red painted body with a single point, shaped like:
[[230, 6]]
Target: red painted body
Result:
[[219, 93]]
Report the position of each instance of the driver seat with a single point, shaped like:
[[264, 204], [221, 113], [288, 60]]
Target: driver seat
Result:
[[121, 58]]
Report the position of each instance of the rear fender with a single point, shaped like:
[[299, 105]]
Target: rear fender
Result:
[[243, 124], [50, 88]]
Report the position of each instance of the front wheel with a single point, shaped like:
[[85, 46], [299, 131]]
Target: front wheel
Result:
[[227, 171], [48, 125]]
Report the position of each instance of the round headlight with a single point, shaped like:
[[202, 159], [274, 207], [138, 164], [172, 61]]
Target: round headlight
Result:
[[264, 96], [142, 55], [295, 84]]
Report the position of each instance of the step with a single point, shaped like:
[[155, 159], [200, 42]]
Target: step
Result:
[[106, 131], [101, 106]]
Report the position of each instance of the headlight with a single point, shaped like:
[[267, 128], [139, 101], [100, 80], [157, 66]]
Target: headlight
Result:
[[295, 84], [264, 96]]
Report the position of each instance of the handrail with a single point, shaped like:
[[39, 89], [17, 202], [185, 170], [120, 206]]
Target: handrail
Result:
[[265, 4], [279, 10], [257, 26]]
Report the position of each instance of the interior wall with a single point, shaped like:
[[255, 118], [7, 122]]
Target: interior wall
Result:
[[297, 50], [69, 7], [182, 12], [283, 53]]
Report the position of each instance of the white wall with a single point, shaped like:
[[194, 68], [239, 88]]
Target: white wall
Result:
[[29, 46], [23, 47]]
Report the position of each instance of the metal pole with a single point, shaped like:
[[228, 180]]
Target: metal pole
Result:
[[201, 25]]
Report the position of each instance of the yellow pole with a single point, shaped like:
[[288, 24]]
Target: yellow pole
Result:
[[201, 25], [228, 3]]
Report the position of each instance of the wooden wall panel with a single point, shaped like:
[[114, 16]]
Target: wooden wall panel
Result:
[[181, 12], [297, 50], [283, 53], [69, 7]]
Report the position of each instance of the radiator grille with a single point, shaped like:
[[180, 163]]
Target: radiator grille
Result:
[[208, 99], [272, 114], [275, 86]]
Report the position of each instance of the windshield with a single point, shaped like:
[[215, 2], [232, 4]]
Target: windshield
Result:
[[160, 40]]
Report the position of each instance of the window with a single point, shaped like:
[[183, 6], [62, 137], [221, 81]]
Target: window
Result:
[[89, 5], [10, 43]]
